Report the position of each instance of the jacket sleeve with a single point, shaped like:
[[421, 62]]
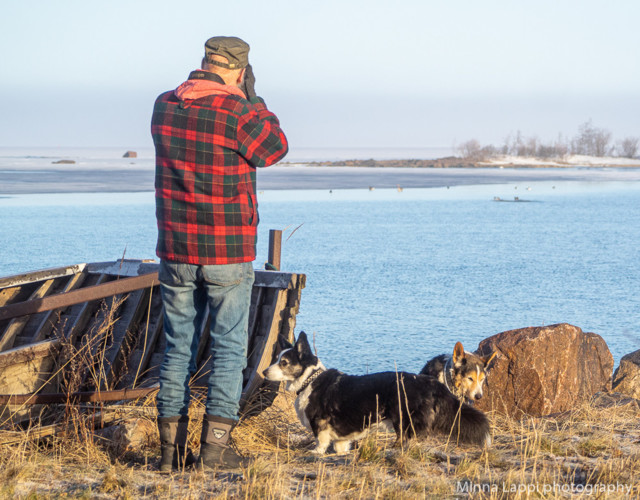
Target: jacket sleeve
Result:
[[260, 139]]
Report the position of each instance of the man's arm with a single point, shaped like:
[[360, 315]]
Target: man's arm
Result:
[[260, 139]]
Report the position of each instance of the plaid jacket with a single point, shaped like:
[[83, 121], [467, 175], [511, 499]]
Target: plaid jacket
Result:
[[207, 151]]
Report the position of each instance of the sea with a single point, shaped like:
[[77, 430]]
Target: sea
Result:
[[394, 277]]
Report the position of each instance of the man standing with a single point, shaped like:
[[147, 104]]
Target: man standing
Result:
[[210, 134]]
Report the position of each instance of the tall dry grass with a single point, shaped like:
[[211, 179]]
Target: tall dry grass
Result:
[[590, 448]]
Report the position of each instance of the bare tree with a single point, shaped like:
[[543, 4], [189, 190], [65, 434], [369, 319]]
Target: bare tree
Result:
[[506, 147], [561, 147], [628, 147], [470, 149], [591, 141]]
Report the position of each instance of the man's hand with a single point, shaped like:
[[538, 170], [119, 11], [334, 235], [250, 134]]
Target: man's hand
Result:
[[249, 82]]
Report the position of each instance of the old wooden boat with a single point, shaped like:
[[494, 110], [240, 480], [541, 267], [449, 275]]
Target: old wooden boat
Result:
[[93, 333]]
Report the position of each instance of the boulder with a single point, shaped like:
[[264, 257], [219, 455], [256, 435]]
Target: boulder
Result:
[[543, 370], [130, 154], [626, 379], [613, 399]]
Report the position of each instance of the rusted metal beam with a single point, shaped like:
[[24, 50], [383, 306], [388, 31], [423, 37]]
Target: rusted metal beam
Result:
[[120, 286], [80, 397]]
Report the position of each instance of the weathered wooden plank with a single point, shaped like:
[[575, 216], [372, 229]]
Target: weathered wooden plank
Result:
[[8, 294], [130, 314], [125, 267], [46, 325], [139, 358], [17, 324], [45, 431], [24, 354], [273, 279], [73, 331], [99, 335], [264, 349], [45, 274], [275, 248], [261, 326], [25, 369], [108, 289], [289, 314]]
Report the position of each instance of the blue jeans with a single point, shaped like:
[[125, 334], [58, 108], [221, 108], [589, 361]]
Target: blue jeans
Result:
[[186, 290]]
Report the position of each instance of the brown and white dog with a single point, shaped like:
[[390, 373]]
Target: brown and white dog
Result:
[[464, 373]]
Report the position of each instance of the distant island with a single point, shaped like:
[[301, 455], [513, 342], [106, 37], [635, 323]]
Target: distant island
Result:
[[450, 161], [496, 161], [591, 147]]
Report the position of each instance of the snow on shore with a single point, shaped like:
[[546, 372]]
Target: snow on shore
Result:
[[566, 161]]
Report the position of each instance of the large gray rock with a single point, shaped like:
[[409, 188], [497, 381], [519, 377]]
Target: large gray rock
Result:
[[543, 370], [626, 379]]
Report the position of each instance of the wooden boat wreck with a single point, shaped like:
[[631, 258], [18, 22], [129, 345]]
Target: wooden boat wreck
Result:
[[93, 333]]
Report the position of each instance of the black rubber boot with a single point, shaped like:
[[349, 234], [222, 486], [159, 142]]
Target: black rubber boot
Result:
[[173, 443], [215, 452]]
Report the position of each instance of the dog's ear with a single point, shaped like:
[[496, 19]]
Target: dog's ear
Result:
[[284, 343], [489, 358], [302, 345], [458, 353]]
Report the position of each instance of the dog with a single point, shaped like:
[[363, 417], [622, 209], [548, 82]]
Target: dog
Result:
[[464, 373], [339, 408]]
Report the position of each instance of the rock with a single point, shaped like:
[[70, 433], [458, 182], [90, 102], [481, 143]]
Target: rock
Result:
[[130, 154], [613, 399], [63, 162], [626, 379], [132, 435], [543, 370]]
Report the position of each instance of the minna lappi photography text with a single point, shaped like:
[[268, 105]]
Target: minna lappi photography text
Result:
[[543, 488]]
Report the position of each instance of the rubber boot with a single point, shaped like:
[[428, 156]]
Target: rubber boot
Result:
[[215, 452], [173, 443]]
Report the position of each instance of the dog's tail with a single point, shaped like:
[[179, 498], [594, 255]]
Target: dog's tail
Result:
[[463, 422]]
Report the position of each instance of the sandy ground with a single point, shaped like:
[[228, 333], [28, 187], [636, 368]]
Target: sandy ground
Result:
[[75, 179]]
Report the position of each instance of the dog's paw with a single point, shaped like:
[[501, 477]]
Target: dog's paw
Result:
[[487, 441], [342, 447]]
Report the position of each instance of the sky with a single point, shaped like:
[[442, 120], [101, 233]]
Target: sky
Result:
[[338, 73]]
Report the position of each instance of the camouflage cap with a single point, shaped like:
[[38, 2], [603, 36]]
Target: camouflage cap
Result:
[[234, 49]]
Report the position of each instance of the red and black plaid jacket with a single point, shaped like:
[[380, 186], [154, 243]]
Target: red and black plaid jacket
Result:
[[207, 151]]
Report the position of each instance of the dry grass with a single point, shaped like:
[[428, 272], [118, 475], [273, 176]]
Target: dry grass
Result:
[[588, 449], [591, 448]]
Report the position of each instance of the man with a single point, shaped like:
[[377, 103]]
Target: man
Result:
[[210, 134]]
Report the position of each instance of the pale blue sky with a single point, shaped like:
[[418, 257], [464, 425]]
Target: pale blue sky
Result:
[[337, 73]]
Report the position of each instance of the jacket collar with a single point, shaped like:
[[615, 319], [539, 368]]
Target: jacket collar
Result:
[[203, 84]]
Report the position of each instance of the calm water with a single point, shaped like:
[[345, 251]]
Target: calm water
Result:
[[394, 278]]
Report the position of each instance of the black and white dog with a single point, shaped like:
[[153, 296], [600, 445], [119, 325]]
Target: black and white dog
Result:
[[340, 408]]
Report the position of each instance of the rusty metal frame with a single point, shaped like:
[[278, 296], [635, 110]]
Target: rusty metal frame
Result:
[[87, 294]]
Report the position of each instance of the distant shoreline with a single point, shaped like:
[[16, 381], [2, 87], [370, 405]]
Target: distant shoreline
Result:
[[503, 161], [122, 176]]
